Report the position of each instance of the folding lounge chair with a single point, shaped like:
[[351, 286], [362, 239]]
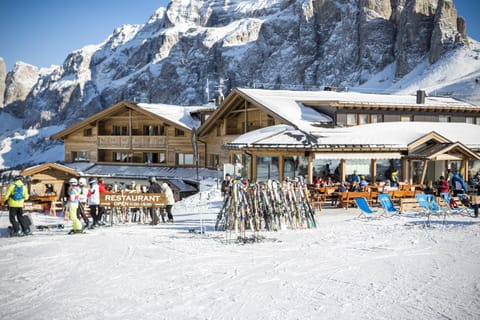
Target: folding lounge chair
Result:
[[430, 206], [387, 204], [454, 206], [365, 210]]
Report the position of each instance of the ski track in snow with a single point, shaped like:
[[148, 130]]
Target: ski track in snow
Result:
[[346, 268]]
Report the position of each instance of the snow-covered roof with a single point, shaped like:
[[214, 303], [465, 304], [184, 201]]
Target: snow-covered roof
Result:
[[287, 104], [398, 134], [180, 115], [280, 135], [385, 134], [286, 98], [128, 171]]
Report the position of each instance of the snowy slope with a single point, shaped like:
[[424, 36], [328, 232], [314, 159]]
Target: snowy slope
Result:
[[347, 268]]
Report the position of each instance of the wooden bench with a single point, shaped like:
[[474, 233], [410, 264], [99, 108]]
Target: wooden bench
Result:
[[409, 204], [347, 198]]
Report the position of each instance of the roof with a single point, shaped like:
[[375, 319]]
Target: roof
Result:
[[173, 114], [394, 135], [272, 97], [46, 166], [297, 108], [138, 172]]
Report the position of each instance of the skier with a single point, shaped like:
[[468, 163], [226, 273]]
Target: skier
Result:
[[154, 188], [102, 210], [227, 186], [16, 195], [170, 201], [82, 201], [72, 205], [93, 199]]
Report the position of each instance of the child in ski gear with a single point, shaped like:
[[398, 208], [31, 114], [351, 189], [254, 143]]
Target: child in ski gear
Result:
[[82, 201], [72, 204], [93, 199], [16, 194], [154, 188], [170, 200]]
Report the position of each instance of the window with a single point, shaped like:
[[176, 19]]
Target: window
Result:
[[294, 166], [477, 120], [470, 120], [87, 132], [122, 157], [153, 130], [374, 118], [179, 133], [214, 160], [443, 119], [154, 157], [119, 130], [184, 159], [80, 156], [351, 119], [267, 168], [406, 118], [362, 118]]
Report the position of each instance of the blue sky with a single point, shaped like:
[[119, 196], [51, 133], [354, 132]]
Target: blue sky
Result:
[[44, 32]]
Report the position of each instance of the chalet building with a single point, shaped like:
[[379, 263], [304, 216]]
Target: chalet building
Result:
[[136, 134], [277, 134]]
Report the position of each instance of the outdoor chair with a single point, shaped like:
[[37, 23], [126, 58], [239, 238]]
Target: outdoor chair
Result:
[[387, 204], [365, 210], [430, 206], [454, 206]]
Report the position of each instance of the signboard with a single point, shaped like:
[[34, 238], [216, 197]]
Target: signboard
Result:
[[133, 200]]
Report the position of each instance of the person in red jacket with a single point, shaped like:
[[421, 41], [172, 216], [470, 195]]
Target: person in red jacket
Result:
[[103, 190], [442, 185]]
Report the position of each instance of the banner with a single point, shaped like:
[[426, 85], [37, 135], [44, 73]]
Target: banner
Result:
[[133, 200]]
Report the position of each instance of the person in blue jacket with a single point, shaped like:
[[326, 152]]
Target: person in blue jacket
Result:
[[458, 184]]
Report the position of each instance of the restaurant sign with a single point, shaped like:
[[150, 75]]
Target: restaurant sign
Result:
[[133, 200]]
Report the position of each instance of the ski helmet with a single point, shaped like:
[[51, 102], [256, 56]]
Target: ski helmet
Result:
[[73, 181], [82, 181]]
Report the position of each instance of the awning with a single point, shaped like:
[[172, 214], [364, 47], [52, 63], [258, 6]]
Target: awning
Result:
[[358, 155]]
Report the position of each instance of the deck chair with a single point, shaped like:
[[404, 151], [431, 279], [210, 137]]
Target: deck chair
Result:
[[387, 204], [430, 206], [365, 210], [454, 206]]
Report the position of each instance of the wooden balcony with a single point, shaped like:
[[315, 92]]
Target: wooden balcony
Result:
[[134, 142]]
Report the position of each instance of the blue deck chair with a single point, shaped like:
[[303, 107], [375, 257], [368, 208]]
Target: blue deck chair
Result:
[[460, 208], [430, 206], [387, 204], [365, 210]]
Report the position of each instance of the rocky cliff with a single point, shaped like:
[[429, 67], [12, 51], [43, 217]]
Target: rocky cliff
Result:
[[286, 44]]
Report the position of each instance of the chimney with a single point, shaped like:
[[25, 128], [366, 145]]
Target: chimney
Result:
[[421, 96]]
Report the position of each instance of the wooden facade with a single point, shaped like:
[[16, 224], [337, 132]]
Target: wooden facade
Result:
[[129, 134]]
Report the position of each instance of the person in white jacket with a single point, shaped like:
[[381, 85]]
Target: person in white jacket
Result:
[[170, 200], [94, 201]]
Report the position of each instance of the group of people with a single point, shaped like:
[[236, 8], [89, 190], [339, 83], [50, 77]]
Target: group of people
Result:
[[80, 195]]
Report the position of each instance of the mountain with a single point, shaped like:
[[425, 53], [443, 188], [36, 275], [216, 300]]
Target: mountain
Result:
[[370, 45]]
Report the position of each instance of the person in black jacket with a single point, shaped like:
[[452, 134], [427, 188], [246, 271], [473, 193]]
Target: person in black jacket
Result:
[[154, 188]]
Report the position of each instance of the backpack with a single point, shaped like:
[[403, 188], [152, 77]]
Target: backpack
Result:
[[17, 192]]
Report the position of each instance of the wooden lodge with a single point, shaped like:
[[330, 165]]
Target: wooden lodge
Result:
[[136, 134], [274, 134]]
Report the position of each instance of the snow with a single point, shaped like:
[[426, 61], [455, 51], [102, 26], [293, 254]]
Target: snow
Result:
[[347, 268]]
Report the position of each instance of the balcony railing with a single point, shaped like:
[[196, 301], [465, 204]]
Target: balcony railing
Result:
[[134, 142]]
